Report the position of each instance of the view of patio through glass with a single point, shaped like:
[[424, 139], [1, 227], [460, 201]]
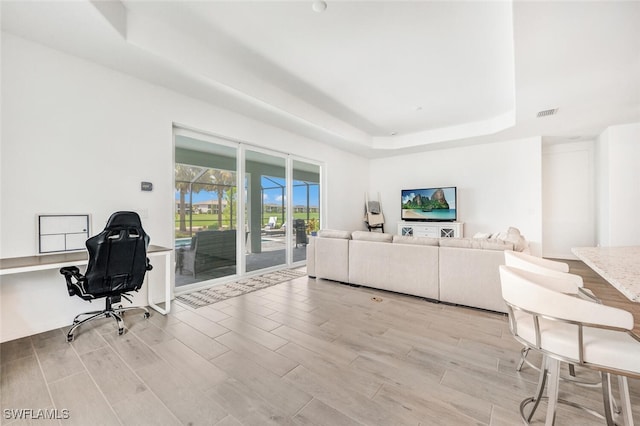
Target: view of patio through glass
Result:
[[205, 211], [266, 210], [207, 200]]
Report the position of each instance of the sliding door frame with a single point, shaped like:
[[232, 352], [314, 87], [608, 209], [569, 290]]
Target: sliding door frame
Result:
[[241, 148]]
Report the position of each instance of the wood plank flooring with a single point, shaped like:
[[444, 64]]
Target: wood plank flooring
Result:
[[304, 352]]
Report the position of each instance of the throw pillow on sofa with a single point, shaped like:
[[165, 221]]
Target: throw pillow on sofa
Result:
[[517, 239], [511, 237]]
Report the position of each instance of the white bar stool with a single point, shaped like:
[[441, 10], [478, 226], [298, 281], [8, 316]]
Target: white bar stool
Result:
[[565, 328]]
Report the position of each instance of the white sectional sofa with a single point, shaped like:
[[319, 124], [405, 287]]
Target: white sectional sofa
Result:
[[462, 271]]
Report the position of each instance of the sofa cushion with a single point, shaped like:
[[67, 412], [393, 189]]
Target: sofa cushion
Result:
[[456, 242], [495, 245], [476, 243], [482, 235], [421, 241], [333, 233], [372, 236]]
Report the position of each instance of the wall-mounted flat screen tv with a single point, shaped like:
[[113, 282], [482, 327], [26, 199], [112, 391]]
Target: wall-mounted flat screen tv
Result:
[[430, 204]]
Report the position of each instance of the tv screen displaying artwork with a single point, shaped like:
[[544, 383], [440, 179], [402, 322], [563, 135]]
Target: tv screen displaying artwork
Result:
[[429, 204]]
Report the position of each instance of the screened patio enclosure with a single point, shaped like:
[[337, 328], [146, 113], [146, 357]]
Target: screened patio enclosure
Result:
[[208, 208]]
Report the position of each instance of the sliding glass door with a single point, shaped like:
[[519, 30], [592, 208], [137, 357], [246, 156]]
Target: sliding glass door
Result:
[[219, 184], [205, 211], [266, 208], [305, 206]]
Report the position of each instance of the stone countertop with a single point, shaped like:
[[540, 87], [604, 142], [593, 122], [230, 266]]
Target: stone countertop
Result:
[[620, 266]]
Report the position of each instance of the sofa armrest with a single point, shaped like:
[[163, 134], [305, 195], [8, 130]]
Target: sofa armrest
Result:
[[332, 259]]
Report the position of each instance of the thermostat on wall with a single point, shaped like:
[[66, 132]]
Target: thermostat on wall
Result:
[[146, 186]]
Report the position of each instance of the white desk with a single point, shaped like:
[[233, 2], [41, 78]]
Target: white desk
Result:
[[18, 265], [620, 266]]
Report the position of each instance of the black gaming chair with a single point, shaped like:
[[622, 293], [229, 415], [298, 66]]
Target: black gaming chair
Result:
[[117, 264]]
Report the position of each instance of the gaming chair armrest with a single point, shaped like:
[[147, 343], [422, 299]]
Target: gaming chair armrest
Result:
[[70, 273]]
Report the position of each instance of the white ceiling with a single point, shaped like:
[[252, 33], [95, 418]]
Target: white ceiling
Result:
[[373, 77]]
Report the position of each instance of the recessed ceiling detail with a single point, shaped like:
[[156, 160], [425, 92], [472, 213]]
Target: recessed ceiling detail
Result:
[[434, 73], [339, 76]]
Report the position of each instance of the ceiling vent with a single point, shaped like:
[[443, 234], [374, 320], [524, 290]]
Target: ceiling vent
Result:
[[547, 112]]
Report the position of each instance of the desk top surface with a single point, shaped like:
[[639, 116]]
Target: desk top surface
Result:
[[620, 266], [14, 265]]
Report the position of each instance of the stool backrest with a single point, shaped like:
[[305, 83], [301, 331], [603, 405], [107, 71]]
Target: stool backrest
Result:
[[544, 315]]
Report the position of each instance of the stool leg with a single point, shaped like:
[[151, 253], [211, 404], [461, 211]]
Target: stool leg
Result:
[[542, 381], [523, 355], [625, 401], [606, 397], [552, 390]]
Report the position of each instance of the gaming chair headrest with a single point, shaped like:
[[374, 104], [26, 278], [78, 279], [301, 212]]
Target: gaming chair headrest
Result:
[[124, 219]]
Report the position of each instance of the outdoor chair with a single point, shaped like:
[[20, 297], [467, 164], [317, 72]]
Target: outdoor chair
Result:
[[272, 223], [209, 250], [117, 265]]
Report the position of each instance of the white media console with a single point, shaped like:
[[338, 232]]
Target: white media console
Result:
[[431, 229]]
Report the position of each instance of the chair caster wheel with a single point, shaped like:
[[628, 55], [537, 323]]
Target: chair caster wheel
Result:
[[147, 315], [120, 331], [70, 338]]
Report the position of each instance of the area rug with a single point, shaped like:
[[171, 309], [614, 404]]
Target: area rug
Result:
[[200, 298]]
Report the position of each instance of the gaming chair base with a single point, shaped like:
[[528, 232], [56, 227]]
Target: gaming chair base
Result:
[[108, 312]]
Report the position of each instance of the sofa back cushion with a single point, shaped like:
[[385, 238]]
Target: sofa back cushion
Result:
[[420, 241], [495, 245], [456, 242], [372, 236], [334, 233], [475, 243]]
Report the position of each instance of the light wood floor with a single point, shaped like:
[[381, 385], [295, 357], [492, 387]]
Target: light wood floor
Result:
[[304, 352]]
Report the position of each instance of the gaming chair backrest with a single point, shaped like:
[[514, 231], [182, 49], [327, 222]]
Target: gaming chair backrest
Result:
[[117, 256]]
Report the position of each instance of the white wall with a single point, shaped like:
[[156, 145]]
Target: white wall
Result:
[[602, 193], [499, 185], [568, 194], [79, 137], [618, 197]]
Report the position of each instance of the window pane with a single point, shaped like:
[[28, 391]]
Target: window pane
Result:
[[306, 206], [205, 197], [266, 210]]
